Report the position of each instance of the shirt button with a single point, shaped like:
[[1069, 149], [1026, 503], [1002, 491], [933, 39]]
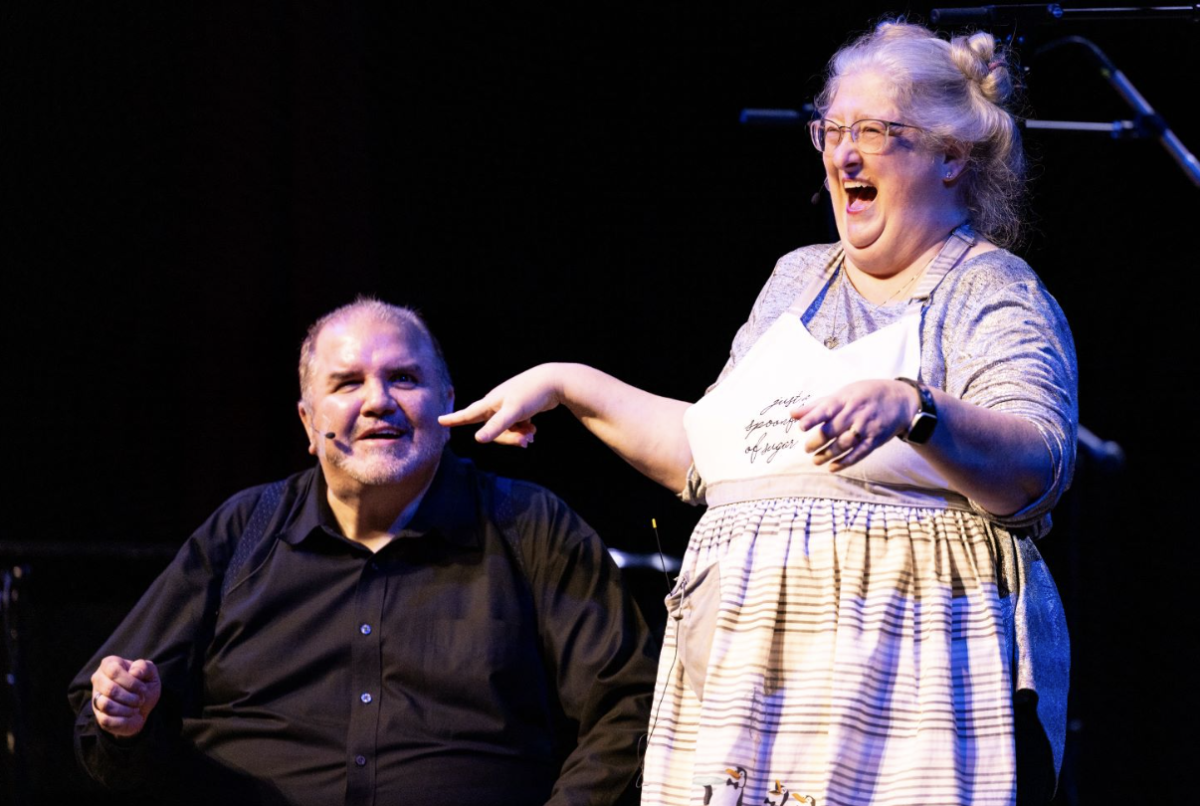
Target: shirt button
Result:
[[360, 761], [365, 629], [365, 697]]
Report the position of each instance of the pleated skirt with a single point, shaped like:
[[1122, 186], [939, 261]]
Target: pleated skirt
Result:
[[836, 653]]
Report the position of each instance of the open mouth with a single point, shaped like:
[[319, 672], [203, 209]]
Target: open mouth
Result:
[[386, 435], [859, 197]]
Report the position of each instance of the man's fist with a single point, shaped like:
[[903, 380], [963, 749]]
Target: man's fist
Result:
[[124, 692]]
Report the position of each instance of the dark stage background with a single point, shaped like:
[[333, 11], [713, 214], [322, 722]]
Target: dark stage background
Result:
[[189, 185]]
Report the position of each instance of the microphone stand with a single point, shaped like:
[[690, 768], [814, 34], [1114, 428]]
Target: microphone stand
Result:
[[1146, 123], [979, 16]]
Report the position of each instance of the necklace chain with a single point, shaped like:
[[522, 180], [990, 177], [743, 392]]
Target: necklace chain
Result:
[[835, 332], [832, 340], [901, 289]]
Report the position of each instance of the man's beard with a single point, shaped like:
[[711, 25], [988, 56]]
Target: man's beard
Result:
[[375, 467]]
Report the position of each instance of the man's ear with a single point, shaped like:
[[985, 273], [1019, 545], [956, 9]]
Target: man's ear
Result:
[[449, 407], [306, 418]]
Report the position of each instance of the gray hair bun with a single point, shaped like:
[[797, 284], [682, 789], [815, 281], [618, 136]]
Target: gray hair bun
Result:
[[984, 65]]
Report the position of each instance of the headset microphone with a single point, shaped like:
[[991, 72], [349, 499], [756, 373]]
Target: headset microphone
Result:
[[816, 197]]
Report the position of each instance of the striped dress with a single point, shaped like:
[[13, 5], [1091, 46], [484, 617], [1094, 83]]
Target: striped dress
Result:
[[847, 640]]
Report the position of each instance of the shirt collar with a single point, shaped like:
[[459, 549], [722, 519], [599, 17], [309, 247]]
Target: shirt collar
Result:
[[448, 509]]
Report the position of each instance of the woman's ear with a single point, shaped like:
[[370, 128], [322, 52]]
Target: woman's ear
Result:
[[954, 162]]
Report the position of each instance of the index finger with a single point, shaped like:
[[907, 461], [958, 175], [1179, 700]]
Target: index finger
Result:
[[144, 670], [476, 412], [819, 411], [799, 412]]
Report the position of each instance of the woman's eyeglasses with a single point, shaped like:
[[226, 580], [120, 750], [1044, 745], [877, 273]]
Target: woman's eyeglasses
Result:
[[868, 136]]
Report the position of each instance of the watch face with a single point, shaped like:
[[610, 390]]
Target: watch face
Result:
[[922, 428]]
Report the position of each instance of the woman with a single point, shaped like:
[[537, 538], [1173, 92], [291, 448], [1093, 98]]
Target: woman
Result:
[[862, 616]]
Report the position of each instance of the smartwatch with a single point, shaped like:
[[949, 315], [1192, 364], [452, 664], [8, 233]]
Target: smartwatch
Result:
[[923, 422]]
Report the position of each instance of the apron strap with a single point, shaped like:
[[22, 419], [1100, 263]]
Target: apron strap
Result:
[[809, 292], [951, 253]]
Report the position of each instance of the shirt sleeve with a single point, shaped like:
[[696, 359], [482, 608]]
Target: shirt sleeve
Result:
[[1008, 348], [168, 626], [601, 657]]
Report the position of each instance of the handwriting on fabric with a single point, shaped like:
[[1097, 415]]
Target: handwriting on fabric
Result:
[[771, 429]]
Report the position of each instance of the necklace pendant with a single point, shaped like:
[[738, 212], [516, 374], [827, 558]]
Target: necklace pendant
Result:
[[831, 342]]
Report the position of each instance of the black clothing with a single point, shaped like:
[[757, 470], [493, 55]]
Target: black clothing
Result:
[[488, 654]]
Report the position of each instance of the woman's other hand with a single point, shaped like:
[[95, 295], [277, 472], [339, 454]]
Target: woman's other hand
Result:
[[997, 459], [855, 420]]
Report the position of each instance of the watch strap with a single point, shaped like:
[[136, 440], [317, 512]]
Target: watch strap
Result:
[[923, 422]]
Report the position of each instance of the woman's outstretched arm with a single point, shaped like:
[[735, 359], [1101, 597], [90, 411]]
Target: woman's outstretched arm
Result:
[[643, 429]]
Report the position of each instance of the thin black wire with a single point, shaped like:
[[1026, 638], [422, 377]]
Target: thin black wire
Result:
[[644, 741]]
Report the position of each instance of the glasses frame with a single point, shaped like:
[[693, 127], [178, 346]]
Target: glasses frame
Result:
[[855, 131]]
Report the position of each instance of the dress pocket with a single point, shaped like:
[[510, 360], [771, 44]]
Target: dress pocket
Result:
[[694, 605]]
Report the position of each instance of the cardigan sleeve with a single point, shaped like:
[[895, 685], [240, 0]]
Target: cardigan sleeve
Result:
[[998, 339]]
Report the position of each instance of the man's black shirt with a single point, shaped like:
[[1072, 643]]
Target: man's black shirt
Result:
[[488, 654]]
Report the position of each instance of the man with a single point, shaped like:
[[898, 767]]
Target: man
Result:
[[391, 626]]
